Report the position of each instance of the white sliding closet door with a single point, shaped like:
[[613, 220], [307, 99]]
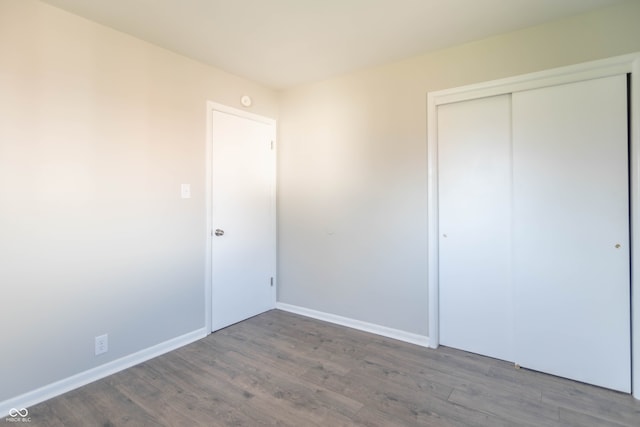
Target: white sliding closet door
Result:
[[571, 231], [474, 163]]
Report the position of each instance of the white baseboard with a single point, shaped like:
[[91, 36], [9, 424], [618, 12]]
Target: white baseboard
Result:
[[397, 334], [83, 378]]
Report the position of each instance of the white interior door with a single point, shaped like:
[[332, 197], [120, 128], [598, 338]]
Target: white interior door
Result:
[[571, 231], [474, 173], [243, 217]]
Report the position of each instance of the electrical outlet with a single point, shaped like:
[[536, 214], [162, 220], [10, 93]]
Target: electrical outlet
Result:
[[102, 344]]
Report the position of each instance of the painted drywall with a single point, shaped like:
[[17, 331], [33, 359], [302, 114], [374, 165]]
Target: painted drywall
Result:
[[97, 132], [353, 166]]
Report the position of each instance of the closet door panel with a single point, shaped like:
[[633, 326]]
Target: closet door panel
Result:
[[474, 200], [571, 231]]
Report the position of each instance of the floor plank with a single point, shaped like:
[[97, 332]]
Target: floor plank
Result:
[[281, 369]]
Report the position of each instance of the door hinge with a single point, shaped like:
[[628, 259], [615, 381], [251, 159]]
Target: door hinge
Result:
[[271, 281], [272, 144]]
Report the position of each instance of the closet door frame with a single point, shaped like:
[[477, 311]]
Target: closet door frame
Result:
[[626, 64]]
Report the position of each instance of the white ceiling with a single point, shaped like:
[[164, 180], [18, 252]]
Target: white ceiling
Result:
[[283, 43]]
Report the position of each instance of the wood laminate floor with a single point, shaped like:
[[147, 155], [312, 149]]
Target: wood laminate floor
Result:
[[286, 370]]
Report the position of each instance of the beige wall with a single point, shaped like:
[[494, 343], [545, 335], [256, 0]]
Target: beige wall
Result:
[[353, 165], [97, 132]]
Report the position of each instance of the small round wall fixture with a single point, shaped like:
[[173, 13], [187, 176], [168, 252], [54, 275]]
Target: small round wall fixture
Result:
[[246, 101]]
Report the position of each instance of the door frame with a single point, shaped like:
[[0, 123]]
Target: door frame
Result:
[[208, 283], [626, 64]]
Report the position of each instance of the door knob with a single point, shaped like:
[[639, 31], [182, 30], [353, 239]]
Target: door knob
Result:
[[618, 245], [219, 232]]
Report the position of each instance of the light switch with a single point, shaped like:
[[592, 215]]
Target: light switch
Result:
[[185, 191]]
